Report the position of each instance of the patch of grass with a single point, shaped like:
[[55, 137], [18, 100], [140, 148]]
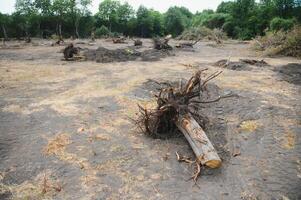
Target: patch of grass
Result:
[[249, 125], [57, 145], [43, 187], [289, 140], [102, 137]]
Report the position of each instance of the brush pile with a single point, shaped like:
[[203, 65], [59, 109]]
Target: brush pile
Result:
[[178, 108], [286, 43]]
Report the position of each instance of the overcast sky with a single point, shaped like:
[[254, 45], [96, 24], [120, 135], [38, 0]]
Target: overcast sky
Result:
[[7, 6]]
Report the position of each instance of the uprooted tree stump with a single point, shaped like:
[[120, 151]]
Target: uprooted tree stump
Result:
[[70, 52], [137, 42], [160, 44], [178, 107], [28, 39]]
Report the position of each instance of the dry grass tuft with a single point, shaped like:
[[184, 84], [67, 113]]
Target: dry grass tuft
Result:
[[43, 187], [57, 145], [249, 125], [289, 140], [96, 137]]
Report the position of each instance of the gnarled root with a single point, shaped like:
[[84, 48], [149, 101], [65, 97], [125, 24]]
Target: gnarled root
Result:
[[197, 164]]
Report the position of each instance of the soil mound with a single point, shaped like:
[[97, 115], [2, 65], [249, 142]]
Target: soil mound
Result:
[[291, 73], [231, 65], [242, 64], [103, 55]]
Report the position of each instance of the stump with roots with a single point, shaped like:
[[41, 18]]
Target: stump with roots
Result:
[[160, 43], [70, 52], [137, 42], [178, 108]]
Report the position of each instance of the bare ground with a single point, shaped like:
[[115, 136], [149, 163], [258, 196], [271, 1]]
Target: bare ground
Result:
[[65, 131]]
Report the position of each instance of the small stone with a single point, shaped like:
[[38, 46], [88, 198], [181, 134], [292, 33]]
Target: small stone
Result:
[[156, 176]]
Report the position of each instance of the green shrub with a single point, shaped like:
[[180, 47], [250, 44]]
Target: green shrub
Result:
[[278, 24], [54, 37], [102, 31], [216, 20]]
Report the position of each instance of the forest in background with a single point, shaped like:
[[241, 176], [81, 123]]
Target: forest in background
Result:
[[239, 19]]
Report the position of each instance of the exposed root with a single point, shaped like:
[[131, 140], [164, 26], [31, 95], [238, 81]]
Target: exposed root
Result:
[[197, 164]]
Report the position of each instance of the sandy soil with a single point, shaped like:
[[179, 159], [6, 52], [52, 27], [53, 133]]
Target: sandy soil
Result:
[[65, 131]]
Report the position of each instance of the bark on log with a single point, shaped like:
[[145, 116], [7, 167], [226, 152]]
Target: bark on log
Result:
[[199, 142]]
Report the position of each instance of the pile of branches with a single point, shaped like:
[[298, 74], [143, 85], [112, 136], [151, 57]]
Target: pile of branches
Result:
[[286, 43]]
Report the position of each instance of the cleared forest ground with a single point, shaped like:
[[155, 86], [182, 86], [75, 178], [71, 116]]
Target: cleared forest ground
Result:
[[65, 131]]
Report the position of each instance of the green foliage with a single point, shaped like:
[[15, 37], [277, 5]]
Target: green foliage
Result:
[[114, 15], [216, 20], [102, 31], [176, 20], [278, 24], [242, 19], [144, 22], [225, 7]]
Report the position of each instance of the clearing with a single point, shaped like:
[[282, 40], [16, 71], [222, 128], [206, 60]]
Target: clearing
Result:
[[65, 131]]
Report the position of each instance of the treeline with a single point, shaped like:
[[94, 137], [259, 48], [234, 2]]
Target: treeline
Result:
[[241, 19]]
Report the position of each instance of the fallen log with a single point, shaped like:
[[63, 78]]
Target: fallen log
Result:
[[187, 44], [254, 62], [119, 40], [199, 142]]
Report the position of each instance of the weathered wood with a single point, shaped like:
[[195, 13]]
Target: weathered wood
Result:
[[119, 40], [137, 42], [199, 142]]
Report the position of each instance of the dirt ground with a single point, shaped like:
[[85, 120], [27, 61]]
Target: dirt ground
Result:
[[65, 131]]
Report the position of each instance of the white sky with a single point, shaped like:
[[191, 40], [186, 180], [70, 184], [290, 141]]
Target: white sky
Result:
[[7, 6]]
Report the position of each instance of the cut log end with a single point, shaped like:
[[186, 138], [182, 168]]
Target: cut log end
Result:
[[213, 163]]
